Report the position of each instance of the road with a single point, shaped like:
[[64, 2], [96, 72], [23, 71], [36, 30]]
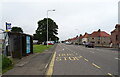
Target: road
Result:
[[78, 60]]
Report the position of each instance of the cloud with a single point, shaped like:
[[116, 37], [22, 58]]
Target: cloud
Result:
[[84, 15]]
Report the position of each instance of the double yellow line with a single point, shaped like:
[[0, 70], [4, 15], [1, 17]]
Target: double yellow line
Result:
[[50, 68]]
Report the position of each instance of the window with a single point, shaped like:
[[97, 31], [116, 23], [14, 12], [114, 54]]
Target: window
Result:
[[116, 37], [98, 42]]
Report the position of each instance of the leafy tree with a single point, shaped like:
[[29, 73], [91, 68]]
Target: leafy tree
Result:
[[41, 32], [17, 30]]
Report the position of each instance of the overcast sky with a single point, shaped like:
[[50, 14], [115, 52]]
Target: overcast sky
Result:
[[73, 17]]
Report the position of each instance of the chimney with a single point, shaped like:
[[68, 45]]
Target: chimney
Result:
[[99, 30]]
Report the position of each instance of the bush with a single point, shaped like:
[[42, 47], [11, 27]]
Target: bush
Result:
[[6, 62]]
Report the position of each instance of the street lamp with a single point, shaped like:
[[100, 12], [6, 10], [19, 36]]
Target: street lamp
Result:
[[47, 24]]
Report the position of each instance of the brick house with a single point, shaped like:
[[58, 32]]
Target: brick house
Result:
[[73, 40], [99, 38], [85, 38], [115, 36], [80, 39]]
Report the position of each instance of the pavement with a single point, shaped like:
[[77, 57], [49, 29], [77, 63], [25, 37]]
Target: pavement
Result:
[[34, 65], [76, 60]]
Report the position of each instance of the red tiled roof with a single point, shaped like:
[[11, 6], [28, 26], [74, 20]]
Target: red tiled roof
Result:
[[113, 31], [81, 37], [117, 25], [86, 35], [99, 34]]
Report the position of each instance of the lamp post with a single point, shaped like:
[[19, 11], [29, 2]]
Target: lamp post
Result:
[[47, 24]]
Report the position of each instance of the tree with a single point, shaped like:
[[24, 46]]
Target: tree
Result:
[[41, 32], [17, 30]]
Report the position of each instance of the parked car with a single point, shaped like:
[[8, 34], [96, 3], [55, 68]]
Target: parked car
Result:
[[89, 45], [68, 43], [49, 43]]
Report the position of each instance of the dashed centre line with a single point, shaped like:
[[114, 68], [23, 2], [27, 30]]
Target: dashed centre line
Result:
[[86, 59], [110, 74], [117, 58], [96, 65]]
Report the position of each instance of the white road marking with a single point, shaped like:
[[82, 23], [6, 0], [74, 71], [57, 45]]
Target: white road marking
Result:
[[117, 58], [92, 52], [96, 65], [111, 74], [46, 65]]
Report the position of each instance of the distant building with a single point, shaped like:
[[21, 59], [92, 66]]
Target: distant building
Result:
[[74, 40], [115, 36], [85, 38], [99, 38], [80, 40]]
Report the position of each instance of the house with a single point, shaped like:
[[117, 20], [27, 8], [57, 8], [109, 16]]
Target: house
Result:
[[80, 39], [74, 40], [99, 38], [115, 36], [85, 38]]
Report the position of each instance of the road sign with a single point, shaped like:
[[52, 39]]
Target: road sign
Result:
[[8, 26]]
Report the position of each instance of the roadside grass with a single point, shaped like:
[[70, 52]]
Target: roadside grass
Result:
[[5, 64], [40, 48]]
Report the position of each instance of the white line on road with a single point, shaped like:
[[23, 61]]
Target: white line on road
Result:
[[110, 74], [85, 59], [96, 65], [46, 65], [117, 58]]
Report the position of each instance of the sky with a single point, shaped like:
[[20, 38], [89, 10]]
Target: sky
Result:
[[73, 17]]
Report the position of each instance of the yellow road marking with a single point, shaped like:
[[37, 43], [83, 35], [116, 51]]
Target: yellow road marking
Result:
[[58, 59], [85, 59], [96, 65], [70, 58], [50, 68], [110, 74], [75, 58], [58, 54], [63, 55], [65, 58], [80, 56]]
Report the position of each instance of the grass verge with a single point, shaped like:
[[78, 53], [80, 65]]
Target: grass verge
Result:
[[40, 48], [6, 64]]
